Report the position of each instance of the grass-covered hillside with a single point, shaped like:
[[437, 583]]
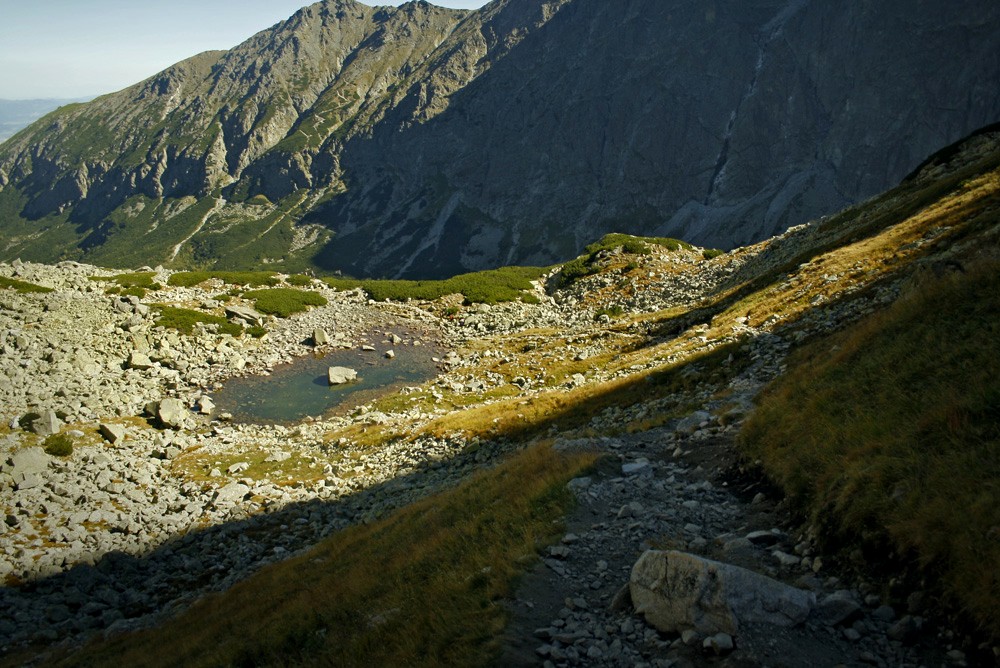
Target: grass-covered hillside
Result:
[[888, 434]]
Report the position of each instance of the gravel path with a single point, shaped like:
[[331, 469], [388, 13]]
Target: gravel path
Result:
[[662, 490]]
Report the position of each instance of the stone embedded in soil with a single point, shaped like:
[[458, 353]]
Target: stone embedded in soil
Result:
[[675, 591]]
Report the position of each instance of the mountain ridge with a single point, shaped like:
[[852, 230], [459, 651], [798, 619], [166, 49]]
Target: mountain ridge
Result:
[[366, 137]]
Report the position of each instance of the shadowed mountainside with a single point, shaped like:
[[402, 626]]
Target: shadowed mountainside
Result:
[[419, 141]]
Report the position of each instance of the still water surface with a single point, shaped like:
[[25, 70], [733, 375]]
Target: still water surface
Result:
[[300, 389]]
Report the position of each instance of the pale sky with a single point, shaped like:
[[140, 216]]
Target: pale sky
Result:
[[82, 48]]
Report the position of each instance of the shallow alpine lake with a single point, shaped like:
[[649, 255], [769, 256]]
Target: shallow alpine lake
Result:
[[300, 389]]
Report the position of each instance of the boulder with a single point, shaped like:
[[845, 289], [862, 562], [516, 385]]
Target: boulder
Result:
[[112, 433], [205, 406], [171, 413], [27, 462], [246, 314], [320, 337], [838, 608], [234, 492], [390, 354], [339, 375], [138, 360], [46, 424], [677, 591]]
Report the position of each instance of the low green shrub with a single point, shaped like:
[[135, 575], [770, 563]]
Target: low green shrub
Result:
[[283, 302], [184, 320], [141, 279], [585, 265], [255, 279], [58, 445], [299, 280], [635, 245], [710, 253], [484, 287], [612, 312], [22, 286]]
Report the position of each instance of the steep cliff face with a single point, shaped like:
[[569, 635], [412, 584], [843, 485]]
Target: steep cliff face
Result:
[[721, 123], [429, 141]]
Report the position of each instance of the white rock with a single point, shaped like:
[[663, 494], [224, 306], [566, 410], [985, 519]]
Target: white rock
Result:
[[112, 433], [339, 375]]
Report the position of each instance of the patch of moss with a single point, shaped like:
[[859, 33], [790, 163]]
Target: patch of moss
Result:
[[283, 302], [22, 286], [184, 320], [187, 279]]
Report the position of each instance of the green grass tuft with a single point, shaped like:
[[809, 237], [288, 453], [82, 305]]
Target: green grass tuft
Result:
[[58, 445]]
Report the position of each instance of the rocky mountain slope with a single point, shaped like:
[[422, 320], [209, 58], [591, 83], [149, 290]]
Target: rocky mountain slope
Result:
[[419, 141], [651, 357], [16, 115]]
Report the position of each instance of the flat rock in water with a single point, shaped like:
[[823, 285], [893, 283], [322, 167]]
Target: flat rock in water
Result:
[[338, 375], [677, 591]]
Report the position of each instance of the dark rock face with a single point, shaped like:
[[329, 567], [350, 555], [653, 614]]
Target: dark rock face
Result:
[[440, 141]]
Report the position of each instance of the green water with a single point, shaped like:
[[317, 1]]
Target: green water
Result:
[[300, 389]]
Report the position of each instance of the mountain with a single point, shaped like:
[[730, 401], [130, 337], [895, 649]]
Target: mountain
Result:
[[420, 141], [18, 114]]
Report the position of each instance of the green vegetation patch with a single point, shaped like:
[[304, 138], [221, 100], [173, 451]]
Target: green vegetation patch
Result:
[[635, 245], [283, 302], [130, 284], [255, 279], [299, 280], [184, 320], [484, 287], [586, 264], [423, 587], [888, 435], [58, 445], [22, 286]]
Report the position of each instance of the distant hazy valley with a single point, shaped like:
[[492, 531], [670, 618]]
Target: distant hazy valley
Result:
[[15, 115]]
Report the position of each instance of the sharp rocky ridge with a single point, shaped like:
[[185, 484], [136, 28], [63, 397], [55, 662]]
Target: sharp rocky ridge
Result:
[[423, 141]]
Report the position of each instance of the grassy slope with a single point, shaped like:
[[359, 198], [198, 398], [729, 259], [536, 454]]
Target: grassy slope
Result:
[[418, 588], [889, 433]]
